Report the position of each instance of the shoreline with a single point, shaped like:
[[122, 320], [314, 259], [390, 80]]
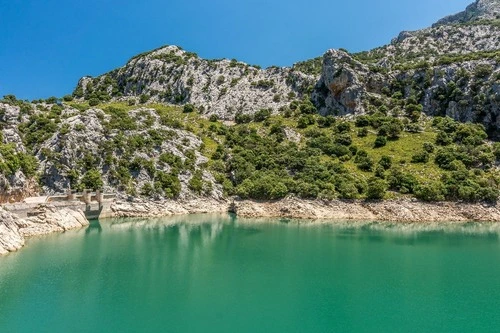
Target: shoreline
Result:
[[14, 230], [399, 211]]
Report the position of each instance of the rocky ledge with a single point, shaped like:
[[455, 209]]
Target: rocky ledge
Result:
[[48, 219]]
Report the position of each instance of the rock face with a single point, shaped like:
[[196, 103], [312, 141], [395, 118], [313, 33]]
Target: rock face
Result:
[[451, 69], [216, 87], [10, 237], [344, 84], [14, 185], [51, 219], [14, 230], [147, 141], [481, 9]]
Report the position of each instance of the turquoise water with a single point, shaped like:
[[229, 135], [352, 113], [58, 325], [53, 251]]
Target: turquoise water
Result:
[[217, 274]]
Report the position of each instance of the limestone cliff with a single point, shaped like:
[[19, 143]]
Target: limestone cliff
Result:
[[216, 87], [451, 69]]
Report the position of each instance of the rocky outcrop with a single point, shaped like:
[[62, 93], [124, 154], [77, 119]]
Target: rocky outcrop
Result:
[[451, 69], [10, 237], [48, 219], [344, 85], [479, 10], [216, 87]]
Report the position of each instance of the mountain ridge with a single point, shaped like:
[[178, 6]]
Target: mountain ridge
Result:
[[226, 88]]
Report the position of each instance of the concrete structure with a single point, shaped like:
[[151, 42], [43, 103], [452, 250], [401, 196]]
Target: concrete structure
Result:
[[94, 204]]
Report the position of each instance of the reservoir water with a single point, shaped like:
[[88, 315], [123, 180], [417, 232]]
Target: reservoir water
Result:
[[221, 274]]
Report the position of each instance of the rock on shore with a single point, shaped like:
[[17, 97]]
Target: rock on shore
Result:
[[147, 208], [391, 211], [10, 237], [48, 219], [14, 230]]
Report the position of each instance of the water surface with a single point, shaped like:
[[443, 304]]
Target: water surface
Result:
[[217, 274]]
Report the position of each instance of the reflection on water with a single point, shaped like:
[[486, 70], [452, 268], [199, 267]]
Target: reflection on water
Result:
[[218, 273]]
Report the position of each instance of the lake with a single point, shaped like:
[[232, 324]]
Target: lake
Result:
[[218, 273]]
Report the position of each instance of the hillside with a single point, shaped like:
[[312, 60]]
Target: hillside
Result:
[[415, 118]]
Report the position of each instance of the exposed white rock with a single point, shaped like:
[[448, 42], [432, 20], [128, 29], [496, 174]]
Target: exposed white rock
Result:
[[217, 87], [10, 237], [14, 230]]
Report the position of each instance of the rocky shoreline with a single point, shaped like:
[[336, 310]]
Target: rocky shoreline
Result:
[[403, 211], [47, 219], [14, 230]]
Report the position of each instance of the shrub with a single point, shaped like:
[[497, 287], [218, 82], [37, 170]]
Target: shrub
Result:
[[362, 132], [433, 191], [93, 101], [143, 98], [482, 71], [343, 127], [220, 80], [262, 115], [305, 120], [169, 183], [376, 188], [401, 181], [196, 182], [385, 162], [363, 161], [343, 139], [213, 118], [51, 100], [380, 141], [325, 122], [428, 147], [92, 179], [421, 157], [188, 108], [362, 121], [444, 158], [443, 139], [241, 118], [391, 130], [147, 190], [307, 107]]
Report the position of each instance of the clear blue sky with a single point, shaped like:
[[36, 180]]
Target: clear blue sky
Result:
[[46, 46]]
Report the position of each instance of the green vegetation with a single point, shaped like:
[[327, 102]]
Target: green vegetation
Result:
[[392, 151], [311, 67]]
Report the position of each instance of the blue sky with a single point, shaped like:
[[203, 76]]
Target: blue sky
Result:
[[46, 46]]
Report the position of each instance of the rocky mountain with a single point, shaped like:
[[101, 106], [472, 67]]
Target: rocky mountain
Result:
[[479, 10], [169, 124], [450, 69], [217, 87], [116, 148]]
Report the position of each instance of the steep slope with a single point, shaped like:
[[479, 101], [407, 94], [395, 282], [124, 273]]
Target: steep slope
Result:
[[216, 87], [133, 150], [451, 69], [479, 10]]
